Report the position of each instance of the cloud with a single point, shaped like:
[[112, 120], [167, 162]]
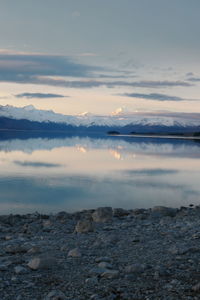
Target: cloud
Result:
[[53, 69], [109, 84], [194, 79], [39, 95], [189, 74], [154, 96], [26, 68], [35, 164], [151, 172]]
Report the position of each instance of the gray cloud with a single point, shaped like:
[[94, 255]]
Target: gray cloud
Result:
[[154, 96], [39, 95], [151, 172], [25, 67], [189, 74], [194, 79], [35, 164], [40, 69], [109, 84]]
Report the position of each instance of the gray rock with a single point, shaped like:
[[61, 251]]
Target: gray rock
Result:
[[135, 268], [164, 211], [110, 274], [74, 253], [42, 263], [97, 271], [84, 226], [34, 250], [104, 264], [3, 266], [91, 281], [120, 212], [20, 270], [102, 214], [196, 287], [103, 259], [55, 295], [8, 237]]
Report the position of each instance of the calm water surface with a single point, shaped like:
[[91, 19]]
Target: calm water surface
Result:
[[74, 173]]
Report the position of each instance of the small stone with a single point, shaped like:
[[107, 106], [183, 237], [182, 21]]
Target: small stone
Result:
[[34, 250], [3, 267], [102, 214], [103, 259], [74, 253], [47, 223], [110, 274], [42, 263], [135, 268], [104, 264], [196, 287], [91, 281], [97, 271], [55, 295], [20, 270], [95, 297], [84, 226], [8, 237]]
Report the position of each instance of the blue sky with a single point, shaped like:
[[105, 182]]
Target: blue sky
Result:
[[139, 55]]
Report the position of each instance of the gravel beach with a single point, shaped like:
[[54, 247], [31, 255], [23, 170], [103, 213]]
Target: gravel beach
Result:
[[101, 254]]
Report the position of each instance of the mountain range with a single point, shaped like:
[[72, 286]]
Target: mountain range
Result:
[[30, 118]]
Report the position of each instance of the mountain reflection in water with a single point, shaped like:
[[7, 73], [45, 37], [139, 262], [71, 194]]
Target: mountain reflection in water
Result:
[[54, 173]]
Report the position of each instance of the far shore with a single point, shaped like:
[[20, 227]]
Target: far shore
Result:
[[158, 136]]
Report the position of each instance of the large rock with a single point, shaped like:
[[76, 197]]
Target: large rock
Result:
[[162, 211], [102, 214], [120, 212], [84, 226], [42, 263]]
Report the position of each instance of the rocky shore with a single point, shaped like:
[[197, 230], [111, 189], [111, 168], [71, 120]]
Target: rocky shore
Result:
[[101, 254]]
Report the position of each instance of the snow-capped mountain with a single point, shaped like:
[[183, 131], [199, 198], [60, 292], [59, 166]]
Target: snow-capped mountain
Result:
[[130, 121]]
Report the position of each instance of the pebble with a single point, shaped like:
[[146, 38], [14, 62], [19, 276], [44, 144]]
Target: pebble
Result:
[[74, 253], [20, 270]]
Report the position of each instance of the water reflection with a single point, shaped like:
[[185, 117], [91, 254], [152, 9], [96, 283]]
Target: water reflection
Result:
[[72, 173]]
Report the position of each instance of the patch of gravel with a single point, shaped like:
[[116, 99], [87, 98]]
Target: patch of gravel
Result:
[[101, 254]]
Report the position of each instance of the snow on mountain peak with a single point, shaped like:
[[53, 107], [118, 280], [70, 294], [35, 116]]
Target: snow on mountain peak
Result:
[[119, 118], [29, 107]]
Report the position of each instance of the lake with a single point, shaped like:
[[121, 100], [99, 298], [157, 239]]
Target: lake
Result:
[[55, 173]]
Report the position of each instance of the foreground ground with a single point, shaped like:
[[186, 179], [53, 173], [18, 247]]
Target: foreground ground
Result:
[[103, 254]]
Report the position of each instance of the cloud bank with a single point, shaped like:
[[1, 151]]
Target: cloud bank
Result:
[[54, 70], [154, 96], [39, 95]]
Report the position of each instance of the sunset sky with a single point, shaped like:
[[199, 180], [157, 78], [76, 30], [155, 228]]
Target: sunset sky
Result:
[[100, 56]]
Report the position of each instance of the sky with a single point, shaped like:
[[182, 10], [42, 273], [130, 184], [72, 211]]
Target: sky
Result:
[[102, 57]]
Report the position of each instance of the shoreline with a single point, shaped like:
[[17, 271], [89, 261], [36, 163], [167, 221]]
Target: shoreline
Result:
[[157, 136], [101, 254]]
